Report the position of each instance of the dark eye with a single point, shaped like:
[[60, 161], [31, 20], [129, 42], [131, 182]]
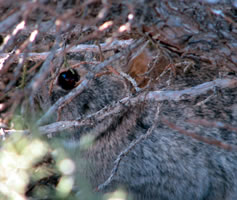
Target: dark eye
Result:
[[68, 79]]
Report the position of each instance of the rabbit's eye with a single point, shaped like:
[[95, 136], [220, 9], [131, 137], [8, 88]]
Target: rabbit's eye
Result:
[[68, 79]]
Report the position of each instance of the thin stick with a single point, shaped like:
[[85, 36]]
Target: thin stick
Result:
[[76, 91], [195, 136], [128, 149], [158, 96], [116, 44]]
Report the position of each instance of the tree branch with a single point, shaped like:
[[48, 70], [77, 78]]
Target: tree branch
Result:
[[90, 75], [116, 44], [128, 149], [195, 136], [158, 96]]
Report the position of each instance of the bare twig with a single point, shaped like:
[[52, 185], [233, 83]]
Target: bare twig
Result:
[[116, 44], [13, 131], [90, 119], [190, 92], [151, 96], [128, 101], [128, 149], [131, 80], [206, 140], [10, 21], [85, 82], [36, 81], [216, 124], [26, 45]]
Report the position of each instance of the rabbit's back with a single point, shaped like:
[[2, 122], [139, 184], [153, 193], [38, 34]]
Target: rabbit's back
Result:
[[165, 165]]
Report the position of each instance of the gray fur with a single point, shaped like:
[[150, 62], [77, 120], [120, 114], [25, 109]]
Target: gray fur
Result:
[[167, 165]]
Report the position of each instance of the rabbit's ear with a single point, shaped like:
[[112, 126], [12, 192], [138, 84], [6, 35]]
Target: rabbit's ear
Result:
[[138, 67], [141, 69]]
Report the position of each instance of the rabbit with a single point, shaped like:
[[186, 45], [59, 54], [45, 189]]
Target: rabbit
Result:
[[166, 165]]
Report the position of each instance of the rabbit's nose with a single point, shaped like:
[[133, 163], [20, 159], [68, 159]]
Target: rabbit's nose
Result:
[[68, 79]]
